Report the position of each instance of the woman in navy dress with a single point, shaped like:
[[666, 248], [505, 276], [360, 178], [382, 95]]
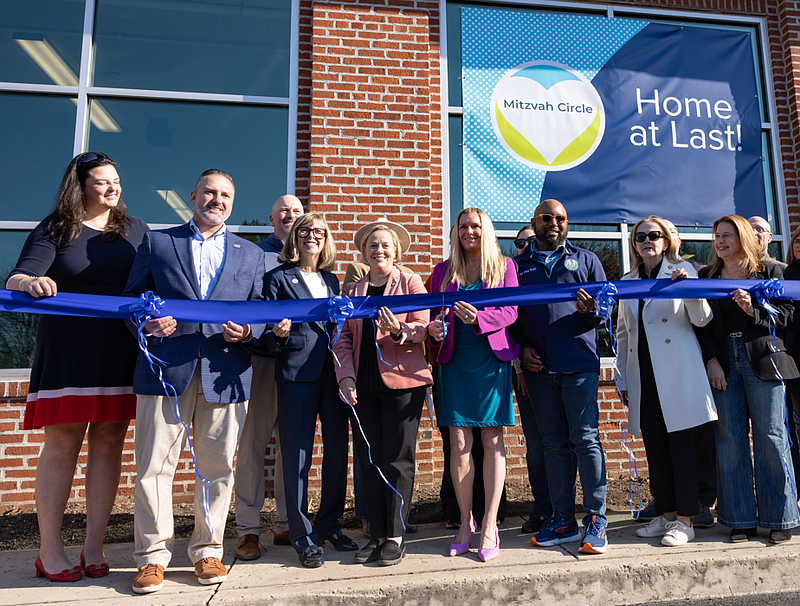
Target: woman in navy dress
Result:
[[82, 375], [475, 354]]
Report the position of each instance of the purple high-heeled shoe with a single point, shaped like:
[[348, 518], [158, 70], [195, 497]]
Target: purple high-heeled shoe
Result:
[[490, 553], [457, 549]]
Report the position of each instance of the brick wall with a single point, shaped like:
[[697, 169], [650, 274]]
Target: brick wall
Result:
[[19, 452]]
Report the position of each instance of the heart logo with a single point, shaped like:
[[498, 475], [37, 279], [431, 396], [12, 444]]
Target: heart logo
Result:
[[547, 115]]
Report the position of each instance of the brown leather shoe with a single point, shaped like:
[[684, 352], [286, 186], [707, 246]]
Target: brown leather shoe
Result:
[[150, 578], [248, 548], [210, 571], [281, 538]]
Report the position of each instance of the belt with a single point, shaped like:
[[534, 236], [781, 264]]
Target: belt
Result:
[[735, 335]]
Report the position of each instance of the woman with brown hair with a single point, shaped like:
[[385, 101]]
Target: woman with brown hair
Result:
[[86, 245], [744, 369]]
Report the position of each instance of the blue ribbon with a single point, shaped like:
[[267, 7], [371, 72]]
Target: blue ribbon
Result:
[[318, 310], [144, 309], [604, 306], [763, 292], [340, 309]]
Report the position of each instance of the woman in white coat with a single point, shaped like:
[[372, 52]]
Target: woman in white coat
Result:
[[664, 381]]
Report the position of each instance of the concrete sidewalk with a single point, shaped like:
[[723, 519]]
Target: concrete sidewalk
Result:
[[632, 571]]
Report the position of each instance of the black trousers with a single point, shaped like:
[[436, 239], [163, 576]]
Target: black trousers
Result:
[[390, 420], [670, 455]]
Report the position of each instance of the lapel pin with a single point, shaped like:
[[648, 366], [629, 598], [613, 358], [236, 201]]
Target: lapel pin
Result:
[[237, 245], [294, 280]]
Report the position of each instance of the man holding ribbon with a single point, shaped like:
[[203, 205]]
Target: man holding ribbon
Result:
[[562, 367], [208, 365]]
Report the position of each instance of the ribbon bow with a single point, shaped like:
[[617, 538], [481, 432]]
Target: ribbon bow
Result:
[[605, 301], [766, 290], [339, 309]]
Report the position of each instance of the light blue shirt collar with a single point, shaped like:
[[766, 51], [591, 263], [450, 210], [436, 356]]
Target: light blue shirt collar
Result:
[[208, 255]]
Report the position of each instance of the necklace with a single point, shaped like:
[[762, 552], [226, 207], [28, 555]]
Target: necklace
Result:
[[371, 283]]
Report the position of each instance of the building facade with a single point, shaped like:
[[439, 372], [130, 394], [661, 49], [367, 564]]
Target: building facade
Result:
[[354, 106]]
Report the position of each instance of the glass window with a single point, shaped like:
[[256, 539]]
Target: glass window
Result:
[[40, 42], [696, 250], [608, 252], [162, 147], [214, 46], [37, 146]]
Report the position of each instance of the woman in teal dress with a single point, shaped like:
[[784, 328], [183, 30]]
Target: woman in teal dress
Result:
[[474, 356]]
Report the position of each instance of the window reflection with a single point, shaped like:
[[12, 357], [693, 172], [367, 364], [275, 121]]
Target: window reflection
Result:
[[37, 134], [163, 147], [57, 23], [214, 46]]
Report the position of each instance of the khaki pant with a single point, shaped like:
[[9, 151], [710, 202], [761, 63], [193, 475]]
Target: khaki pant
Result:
[[261, 422], [159, 441]]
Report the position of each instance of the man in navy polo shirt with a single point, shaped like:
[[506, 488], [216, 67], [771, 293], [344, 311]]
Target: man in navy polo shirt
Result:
[[562, 367]]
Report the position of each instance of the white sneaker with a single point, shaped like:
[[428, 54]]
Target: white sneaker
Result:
[[656, 528], [678, 533]]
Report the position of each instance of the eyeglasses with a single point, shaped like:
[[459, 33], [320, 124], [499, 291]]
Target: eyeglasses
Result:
[[653, 236], [523, 242], [548, 218], [92, 156], [304, 232]]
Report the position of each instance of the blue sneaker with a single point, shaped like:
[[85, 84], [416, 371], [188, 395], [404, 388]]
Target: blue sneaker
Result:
[[557, 530], [594, 537]]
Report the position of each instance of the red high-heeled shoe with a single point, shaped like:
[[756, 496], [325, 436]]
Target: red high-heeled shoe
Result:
[[66, 575], [94, 570]]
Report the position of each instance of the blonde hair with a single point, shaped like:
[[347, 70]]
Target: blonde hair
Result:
[[398, 251], [291, 252], [671, 253], [493, 263], [790, 258], [747, 239]]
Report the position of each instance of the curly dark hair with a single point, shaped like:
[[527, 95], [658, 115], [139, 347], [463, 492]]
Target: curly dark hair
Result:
[[69, 209]]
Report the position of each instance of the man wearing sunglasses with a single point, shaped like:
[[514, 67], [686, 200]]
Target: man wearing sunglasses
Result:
[[561, 366], [209, 367]]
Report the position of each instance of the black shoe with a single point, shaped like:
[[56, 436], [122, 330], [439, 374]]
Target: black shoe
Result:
[[534, 524], [312, 557], [648, 513], [392, 553], [740, 535], [704, 518], [339, 541], [780, 536], [411, 529], [453, 523], [369, 553]]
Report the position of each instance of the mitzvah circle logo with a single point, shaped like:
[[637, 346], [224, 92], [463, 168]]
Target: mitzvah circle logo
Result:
[[547, 115]]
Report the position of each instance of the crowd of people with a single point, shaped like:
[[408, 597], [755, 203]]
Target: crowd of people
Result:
[[696, 376]]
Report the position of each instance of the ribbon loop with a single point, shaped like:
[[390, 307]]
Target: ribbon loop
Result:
[[605, 300], [766, 290], [339, 309]]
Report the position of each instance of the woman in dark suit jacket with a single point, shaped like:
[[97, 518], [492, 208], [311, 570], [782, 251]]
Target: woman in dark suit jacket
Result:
[[307, 386], [386, 388], [743, 368]]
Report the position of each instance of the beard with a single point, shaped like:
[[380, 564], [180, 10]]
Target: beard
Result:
[[547, 241]]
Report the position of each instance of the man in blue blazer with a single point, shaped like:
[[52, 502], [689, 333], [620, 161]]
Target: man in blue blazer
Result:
[[209, 367]]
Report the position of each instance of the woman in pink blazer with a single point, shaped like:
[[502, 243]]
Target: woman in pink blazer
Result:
[[475, 354], [383, 374]]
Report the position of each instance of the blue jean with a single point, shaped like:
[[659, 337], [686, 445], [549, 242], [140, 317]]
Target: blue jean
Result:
[[772, 506], [566, 410], [534, 456]]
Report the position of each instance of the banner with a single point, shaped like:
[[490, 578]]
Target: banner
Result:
[[616, 118]]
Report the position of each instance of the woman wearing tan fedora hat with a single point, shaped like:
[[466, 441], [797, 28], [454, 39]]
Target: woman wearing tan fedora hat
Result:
[[383, 374]]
